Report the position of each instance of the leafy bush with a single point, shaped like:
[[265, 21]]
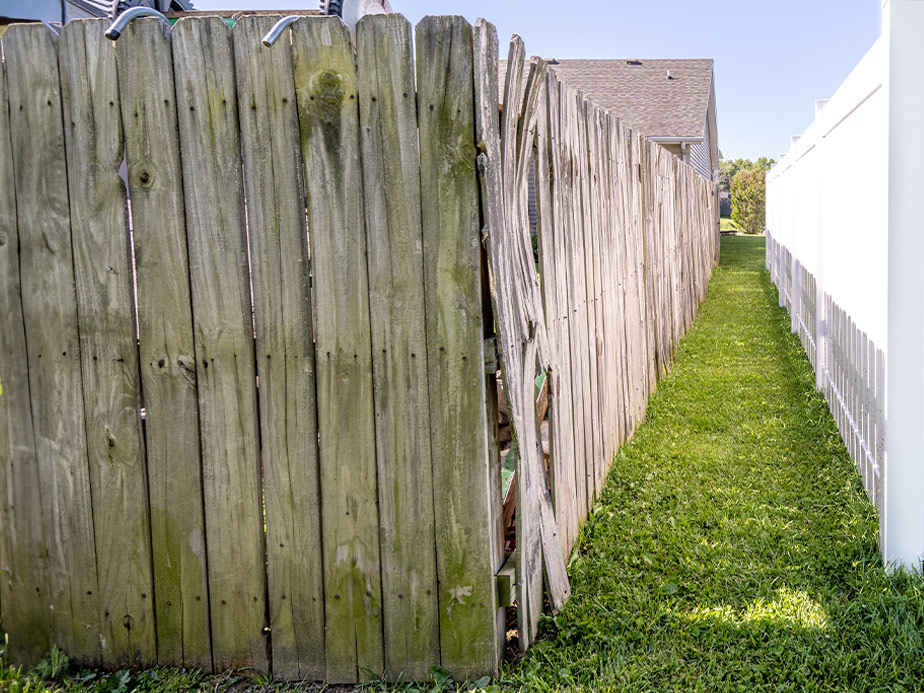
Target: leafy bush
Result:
[[749, 200]]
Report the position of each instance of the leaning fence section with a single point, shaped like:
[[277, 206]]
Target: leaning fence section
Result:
[[627, 240], [248, 303]]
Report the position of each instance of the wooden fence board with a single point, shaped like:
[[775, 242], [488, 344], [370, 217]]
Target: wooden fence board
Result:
[[391, 177], [50, 315], [108, 345], [554, 287], [280, 265], [579, 325], [325, 84], [449, 193], [23, 574], [226, 377], [165, 328]]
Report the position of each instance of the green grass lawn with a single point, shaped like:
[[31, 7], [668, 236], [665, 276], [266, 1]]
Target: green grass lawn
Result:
[[732, 549], [726, 224]]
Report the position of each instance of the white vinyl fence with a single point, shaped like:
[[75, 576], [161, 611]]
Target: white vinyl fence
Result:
[[845, 248]]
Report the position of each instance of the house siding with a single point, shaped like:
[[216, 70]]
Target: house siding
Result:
[[700, 155]]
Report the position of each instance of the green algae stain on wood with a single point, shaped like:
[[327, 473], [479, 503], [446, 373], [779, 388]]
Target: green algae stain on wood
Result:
[[325, 86], [459, 429], [223, 329]]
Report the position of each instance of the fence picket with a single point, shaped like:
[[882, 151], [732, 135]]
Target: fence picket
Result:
[[226, 378], [274, 186], [49, 304], [325, 85], [108, 347], [167, 351], [451, 236], [391, 176], [23, 573]]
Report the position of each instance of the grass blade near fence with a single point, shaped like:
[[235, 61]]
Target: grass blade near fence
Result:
[[108, 346]]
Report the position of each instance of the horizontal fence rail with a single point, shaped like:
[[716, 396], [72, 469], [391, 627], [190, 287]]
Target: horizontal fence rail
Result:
[[248, 301]]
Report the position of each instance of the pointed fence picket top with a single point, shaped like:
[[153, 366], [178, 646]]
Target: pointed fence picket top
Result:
[[250, 411]]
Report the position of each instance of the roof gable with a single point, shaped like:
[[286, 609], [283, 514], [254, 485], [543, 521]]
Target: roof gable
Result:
[[640, 93]]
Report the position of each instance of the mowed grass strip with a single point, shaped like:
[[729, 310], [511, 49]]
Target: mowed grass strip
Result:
[[733, 547]]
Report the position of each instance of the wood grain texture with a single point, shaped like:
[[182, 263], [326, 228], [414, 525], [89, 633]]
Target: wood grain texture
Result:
[[501, 502], [506, 163], [275, 190], [108, 346], [50, 315], [391, 184], [452, 275], [23, 574], [554, 286], [166, 344], [219, 276], [568, 224], [325, 84]]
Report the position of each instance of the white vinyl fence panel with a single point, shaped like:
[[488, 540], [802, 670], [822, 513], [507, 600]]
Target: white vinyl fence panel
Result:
[[844, 250]]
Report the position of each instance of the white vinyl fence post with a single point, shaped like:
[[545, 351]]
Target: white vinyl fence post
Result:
[[903, 528]]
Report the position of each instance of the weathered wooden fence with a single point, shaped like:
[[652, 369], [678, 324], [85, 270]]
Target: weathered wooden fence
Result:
[[627, 242], [246, 417]]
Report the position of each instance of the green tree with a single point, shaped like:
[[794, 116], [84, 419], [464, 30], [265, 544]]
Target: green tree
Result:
[[749, 200], [728, 169]]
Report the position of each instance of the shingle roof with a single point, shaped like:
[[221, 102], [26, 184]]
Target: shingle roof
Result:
[[641, 94]]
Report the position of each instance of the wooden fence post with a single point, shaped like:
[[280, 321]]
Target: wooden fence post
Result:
[[903, 542]]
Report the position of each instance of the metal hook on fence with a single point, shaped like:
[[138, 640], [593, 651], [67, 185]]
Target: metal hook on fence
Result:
[[118, 26], [273, 34]]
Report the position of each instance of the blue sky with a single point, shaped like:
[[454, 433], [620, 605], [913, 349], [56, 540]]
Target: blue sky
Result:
[[773, 57]]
